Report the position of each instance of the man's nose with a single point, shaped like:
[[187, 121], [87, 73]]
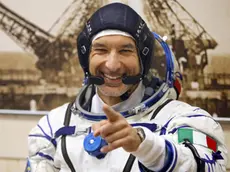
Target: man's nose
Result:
[[113, 63]]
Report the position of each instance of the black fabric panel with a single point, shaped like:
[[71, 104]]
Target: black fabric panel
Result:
[[159, 108], [129, 163], [63, 139]]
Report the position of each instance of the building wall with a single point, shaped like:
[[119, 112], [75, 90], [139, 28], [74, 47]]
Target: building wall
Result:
[[13, 145]]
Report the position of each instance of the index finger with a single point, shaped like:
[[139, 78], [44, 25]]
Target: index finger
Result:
[[96, 127], [111, 114]]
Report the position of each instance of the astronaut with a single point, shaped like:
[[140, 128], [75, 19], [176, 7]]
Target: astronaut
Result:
[[126, 116]]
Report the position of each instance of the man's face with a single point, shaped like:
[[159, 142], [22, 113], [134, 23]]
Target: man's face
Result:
[[111, 58]]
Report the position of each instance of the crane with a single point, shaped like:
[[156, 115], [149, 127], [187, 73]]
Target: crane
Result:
[[74, 17], [188, 37], [55, 53]]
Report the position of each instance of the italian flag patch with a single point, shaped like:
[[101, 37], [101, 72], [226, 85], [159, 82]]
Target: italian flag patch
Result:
[[196, 137]]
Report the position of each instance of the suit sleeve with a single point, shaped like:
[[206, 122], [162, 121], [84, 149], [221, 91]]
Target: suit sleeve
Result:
[[42, 142], [168, 151]]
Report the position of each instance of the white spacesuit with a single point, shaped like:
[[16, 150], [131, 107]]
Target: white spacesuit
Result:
[[46, 155], [176, 136]]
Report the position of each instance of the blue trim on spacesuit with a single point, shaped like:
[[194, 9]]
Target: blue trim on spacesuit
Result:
[[70, 130], [169, 61], [52, 140], [196, 109], [171, 157], [210, 162], [46, 136], [131, 112], [141, 167], [164, 128], [151, 126], [138, 109], [67, 130], [45, 156], [175, 129], [196, 115], [217, 155], [51, 131], [102, 117]]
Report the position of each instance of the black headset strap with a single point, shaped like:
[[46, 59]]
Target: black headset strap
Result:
[[63, 139]]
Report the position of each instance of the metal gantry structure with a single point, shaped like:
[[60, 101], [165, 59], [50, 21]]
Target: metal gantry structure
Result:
[[55, 53], [74, 17], [187, 37], [58, 53]]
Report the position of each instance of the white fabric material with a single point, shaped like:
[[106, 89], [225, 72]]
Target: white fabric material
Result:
[[153, 146], [111, 32], [134, 99]]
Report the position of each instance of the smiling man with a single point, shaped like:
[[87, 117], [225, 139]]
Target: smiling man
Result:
[[112, 57], [126, 116]]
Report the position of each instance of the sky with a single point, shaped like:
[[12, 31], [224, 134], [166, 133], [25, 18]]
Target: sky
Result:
[[213, 15]]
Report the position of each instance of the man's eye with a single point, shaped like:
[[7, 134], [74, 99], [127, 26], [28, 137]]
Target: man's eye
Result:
[[125, 51], [100, 50]]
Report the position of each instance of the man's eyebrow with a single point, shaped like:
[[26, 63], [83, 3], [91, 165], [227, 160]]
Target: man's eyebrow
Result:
[[101, 45], [98, 45], [129, 46]]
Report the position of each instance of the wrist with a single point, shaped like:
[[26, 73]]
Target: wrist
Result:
[[151, 152]]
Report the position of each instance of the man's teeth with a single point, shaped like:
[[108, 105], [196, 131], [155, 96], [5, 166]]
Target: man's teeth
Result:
[[112, 77]]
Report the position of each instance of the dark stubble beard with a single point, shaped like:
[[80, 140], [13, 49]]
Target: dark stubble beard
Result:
[[116, 93], [126, 88]]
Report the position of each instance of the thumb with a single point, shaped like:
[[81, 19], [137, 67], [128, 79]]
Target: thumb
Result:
[[111, 114]]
